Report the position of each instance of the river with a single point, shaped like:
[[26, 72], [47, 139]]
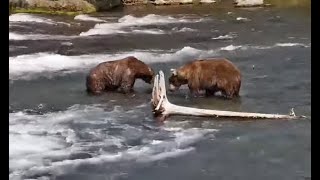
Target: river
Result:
[[57, 131]]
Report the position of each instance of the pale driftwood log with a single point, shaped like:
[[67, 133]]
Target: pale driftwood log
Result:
[[163, 108]]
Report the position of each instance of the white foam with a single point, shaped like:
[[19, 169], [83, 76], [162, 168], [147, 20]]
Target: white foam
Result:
[[141, 155], [84, 17], [225, 37], [184, 29], [27, 158], [156, 142], [16, 36], [23, 151], [27, 129], [245, 47], [24, 17], [150, 19], [207, 1], [129, 20], [148, 31], [174, 129], [49, 64], [23, 65], [282, 45], [231, 48], [38, 64], [242, 19], [249, 2], [290, 44], [22, 144]]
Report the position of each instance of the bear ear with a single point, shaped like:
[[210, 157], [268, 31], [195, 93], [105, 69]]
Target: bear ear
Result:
[[173, 71]]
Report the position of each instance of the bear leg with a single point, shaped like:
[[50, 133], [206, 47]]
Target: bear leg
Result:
[[228, 94], [198, 93], [231, 92], [126, 88], [210, 92], [127, 84]]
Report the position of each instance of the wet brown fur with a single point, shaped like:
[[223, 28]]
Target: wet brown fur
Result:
[[209, 76], [118, 75]]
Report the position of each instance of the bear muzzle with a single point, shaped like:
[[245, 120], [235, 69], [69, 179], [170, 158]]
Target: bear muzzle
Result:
[[172, 88]]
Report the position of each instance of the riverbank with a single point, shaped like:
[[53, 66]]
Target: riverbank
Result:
[[75, 7], [61, 7]]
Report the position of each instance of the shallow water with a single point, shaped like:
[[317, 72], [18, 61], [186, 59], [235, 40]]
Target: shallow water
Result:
[[57, 131]]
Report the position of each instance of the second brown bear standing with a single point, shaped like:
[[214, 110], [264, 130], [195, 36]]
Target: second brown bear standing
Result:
[[208, 76]]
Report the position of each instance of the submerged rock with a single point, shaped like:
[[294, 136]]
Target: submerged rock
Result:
[[65, 48], [80, 155], [102, 5]]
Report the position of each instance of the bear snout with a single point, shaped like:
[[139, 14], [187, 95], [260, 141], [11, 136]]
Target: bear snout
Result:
[[172, 88]]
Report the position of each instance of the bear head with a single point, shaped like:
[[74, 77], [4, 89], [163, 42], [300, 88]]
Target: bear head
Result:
[[176, 80], [148, 77]]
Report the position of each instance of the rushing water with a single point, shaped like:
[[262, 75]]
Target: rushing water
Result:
[[57, 131]]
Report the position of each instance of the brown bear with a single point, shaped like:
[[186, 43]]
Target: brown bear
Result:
[[208, 76], [118, 75]]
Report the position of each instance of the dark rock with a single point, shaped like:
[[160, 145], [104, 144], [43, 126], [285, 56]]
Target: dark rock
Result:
[[80, 155], [65, 48], [103, 5]]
